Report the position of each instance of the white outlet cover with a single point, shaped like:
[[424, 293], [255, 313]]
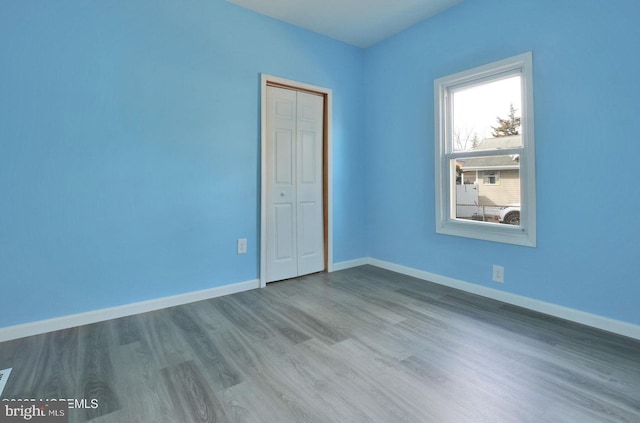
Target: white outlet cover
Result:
[[242, 246], [498, 273]]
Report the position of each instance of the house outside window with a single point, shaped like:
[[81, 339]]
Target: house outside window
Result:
[[485, 156], [491, 177]]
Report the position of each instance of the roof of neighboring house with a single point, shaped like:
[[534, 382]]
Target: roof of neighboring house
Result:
[[512, 141], [507, 161]]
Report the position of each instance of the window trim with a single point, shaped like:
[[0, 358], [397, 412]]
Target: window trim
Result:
[[525, 233]]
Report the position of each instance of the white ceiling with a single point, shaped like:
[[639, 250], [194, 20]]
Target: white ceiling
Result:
[[361, 23]]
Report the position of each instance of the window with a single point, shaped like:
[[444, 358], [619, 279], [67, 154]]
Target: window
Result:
[[491, 177], [484, 152]]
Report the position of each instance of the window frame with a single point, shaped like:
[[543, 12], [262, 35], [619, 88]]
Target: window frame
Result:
[[446, 223], [495, 174]]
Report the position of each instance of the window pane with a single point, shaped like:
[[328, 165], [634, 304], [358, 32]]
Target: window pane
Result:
[[489, 111], [486, 187]]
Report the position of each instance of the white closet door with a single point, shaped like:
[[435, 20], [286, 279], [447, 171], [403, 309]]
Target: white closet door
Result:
[[310, 234], [295, 233]]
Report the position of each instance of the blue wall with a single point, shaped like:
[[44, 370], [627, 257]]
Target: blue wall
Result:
[[587, 103], [129, 147]]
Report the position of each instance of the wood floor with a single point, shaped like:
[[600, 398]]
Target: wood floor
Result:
[[359, 345]]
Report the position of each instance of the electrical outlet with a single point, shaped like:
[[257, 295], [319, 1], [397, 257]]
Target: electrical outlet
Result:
[[498, 274], [242, 246]]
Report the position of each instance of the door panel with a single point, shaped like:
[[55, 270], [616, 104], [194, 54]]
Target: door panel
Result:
[[308, 158], [284, 157], [308, 239], [309, 189], [285, 108], [281, 186], [284, 232], [295, 231]]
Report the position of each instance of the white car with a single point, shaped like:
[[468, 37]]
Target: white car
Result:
[[510, 214]]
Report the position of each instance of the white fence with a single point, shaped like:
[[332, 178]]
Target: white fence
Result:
[[468, 207], [466, 200]]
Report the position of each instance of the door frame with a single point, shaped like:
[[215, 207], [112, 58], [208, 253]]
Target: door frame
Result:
[[327, 174]]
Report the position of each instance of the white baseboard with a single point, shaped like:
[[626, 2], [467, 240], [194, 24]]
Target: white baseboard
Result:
[[64, 322], [44, 326], [577, 316], [349, 264]]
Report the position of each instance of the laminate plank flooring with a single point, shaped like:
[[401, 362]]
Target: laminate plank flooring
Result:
[[359, 345]]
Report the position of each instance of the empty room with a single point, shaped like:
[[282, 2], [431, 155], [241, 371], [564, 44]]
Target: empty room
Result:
[[319, 211]]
